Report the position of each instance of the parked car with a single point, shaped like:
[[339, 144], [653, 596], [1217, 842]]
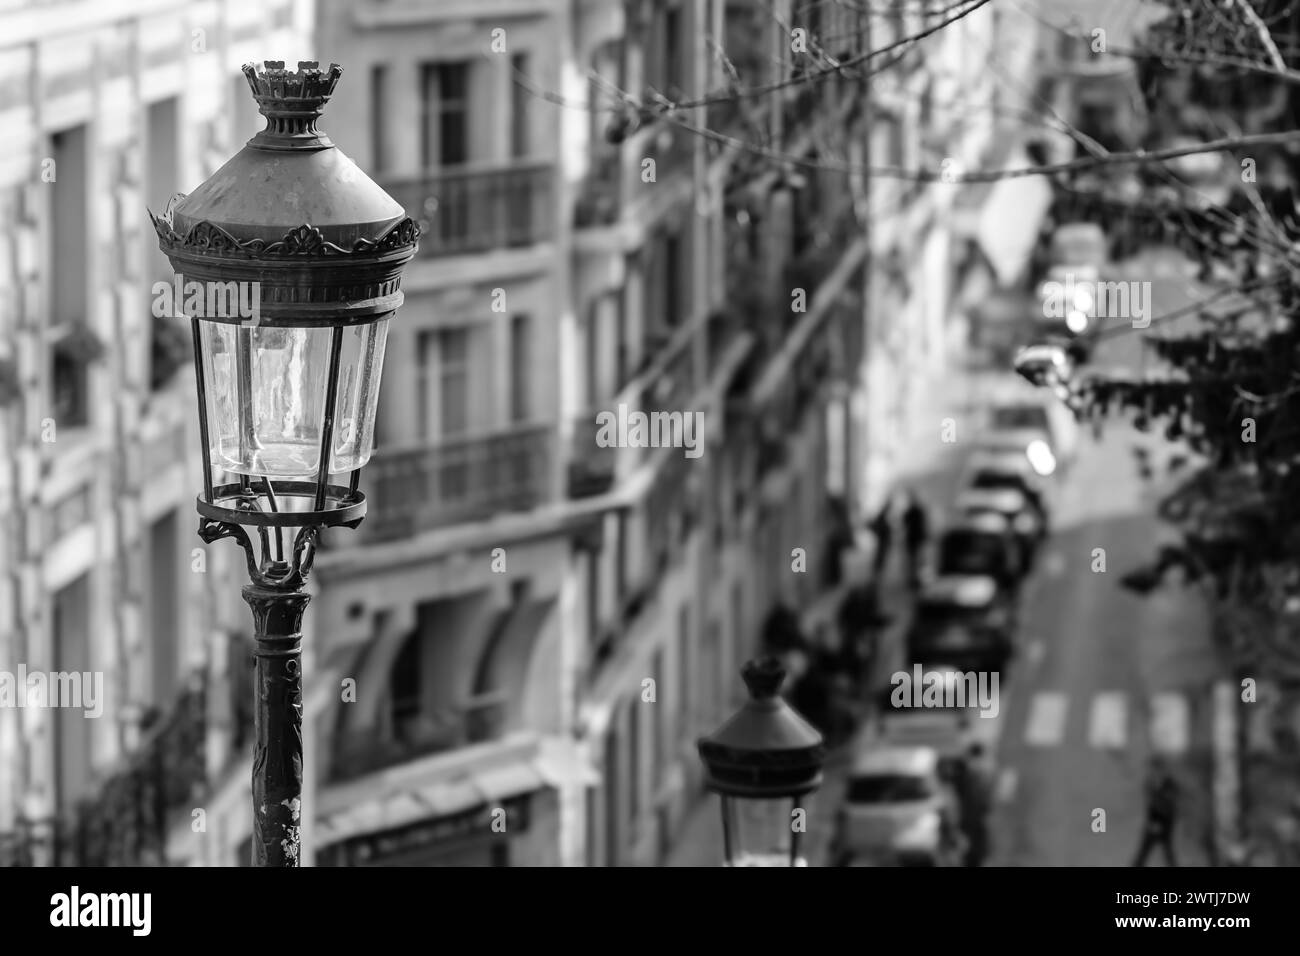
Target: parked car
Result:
[[1068, 293], [946, 730], [897, 810], [1015, 506], [991, 468], [1042, 429], [967, 623], [980, 544]]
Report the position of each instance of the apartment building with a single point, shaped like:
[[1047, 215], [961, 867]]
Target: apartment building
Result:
[[959, 101], [509, 662], [538, 625], [729, 285], [1086, 75], [107, 108]]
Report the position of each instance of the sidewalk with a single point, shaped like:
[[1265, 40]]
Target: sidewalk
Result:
[[932, 469]]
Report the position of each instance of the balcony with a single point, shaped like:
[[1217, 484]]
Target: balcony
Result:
[[464, 479], [593, 469], [600, 193], [425, 732], [127, 822], [817, 252], [672, 148], [468, 209]]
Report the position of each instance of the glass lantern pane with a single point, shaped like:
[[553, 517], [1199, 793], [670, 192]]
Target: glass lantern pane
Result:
[[266, 391], [360, 365], [761, 831]]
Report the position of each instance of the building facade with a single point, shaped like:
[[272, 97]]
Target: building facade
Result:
[[106, 112], [511, 659]]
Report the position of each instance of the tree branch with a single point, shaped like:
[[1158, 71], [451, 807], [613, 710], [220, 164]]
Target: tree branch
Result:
[[1261, 31]]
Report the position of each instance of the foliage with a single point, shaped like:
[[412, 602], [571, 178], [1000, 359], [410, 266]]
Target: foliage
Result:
[[171, 349]]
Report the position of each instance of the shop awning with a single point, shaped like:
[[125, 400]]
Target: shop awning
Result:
[[1004, 218], [546, 763]]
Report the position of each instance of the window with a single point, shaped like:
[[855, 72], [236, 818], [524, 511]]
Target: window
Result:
[[685, 667], [963, 552], [68, 295], [170, 341], [1020, 416], [593, 596], [442, 383], [164, 609], [888, 788], [673, 281], [656, 724], [519, 101], [620, 560], [378, 110], [520, 364], [592, 356], [445, 114], [996, 479], [897, 146], [71, 628], [898, 21], [453, 381], [664, 64], [404, 687], [634, 758], [673, 66], [622, 356]]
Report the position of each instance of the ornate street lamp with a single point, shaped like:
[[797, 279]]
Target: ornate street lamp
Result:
[[289, 261], [761, 762]]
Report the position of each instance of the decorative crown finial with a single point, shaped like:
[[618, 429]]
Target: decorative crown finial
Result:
[[763, 677], [291, 101]]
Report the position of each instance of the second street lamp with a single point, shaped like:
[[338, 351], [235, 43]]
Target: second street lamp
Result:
[[761, 763], [289, 262]]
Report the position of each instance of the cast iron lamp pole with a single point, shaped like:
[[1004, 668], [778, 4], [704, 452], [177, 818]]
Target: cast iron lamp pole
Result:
[[287, 389], [761, 763]]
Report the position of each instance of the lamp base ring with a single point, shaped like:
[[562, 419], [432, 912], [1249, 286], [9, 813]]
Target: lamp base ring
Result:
[[232, 503]]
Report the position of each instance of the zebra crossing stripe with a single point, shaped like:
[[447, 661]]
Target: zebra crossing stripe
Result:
[[1169, 723], [1046, 726], [1108, 721]]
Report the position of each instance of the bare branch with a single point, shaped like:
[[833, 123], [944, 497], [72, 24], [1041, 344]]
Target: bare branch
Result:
[[1261, 30]]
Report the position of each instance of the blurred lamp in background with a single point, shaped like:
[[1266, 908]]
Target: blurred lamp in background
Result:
[[288, 264], [761, 762]]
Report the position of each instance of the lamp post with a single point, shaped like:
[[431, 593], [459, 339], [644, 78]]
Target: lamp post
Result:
[[760, 763], [289, 262]]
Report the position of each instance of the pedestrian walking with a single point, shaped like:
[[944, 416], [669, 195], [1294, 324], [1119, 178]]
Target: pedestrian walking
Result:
[[916, 534], [860, 618], [974, 783], [882, 527], [1161, 814]]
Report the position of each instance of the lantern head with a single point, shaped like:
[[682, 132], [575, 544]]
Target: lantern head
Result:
[[288, 264], [761, 762]]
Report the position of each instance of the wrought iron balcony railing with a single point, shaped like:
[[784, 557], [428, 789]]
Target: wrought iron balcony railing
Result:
[[460, 479], [600, 198], [126, 823], [469, 209]]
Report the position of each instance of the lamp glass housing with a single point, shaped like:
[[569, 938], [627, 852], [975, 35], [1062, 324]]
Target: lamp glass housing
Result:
[[762, 831], [267, 388]]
